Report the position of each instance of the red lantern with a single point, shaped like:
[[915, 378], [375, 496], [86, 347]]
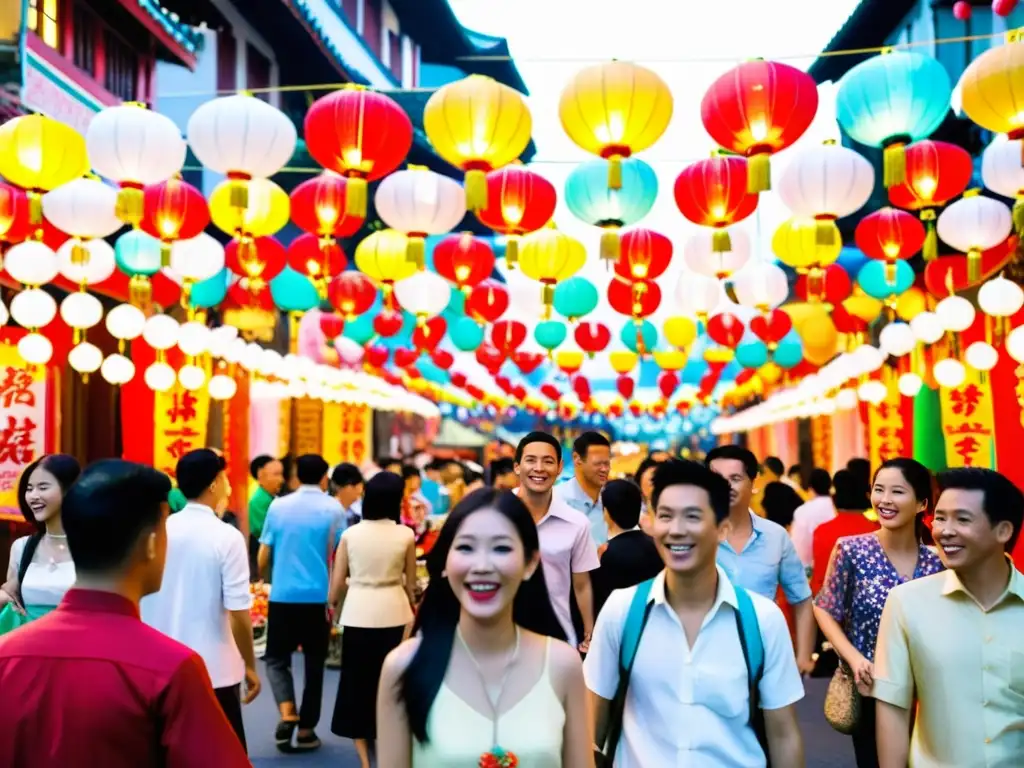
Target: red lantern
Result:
[[625, 385], [507, 336], [318, 206], [744, 376], [962, 10], [890, 235], [487, 301], [519, 201], [458, 379], [832, 286], [361, 134], [581, 387], [592, 337], [318, 261], [240, 297], [173, 210], [257, 262], [638, 299], [331, 325], [352, 293], [668, 381], [551, 392], [428, 334], [519, 392], [713, 193], [464, 260], [527, 362], [772, 327], [725, 329], [14, 214], [846, 322], [405, 357], [388, 323], [489, 357], [757, 109], [636, 409], [376, 356], [949, 273], [1003, 7], [644, 255]]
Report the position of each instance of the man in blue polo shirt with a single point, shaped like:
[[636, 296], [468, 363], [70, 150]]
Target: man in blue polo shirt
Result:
[[299, 536], [591, 461]]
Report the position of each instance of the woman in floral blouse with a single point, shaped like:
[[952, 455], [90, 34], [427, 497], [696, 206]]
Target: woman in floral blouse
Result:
[[864, 569]]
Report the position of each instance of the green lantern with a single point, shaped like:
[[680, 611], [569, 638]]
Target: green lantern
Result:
[[550, 334], [210, 292], [575, 298]]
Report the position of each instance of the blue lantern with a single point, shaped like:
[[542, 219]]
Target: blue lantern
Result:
[[592, 202], [751, 353], [137, 254], [790, 351], [852, 260], [293, 292], [632, 333], [466, 334], [550, 334], [210, 292], [879, 285], [361, 329], [575, 298]]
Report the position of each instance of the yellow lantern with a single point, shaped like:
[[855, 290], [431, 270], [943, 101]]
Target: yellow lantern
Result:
[[799, 244], [550, 256], [479, 125], [911, 303], [672, 360], [622, 361], [718, 355], [267, 213], [770, 373], [992, 88], [614, 110], [680, 331], [383, 257], [569, 359], [39, 153], [862, 306]]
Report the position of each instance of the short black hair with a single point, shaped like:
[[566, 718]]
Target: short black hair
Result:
[[774, 465], [386, 461], [501, 467], [197, 470], [408, 470], [622, 501], [1001, 499], [107, 510], [794, 469], [780, 502], [861, 469], [683, 472], [436, 465], [538, 437], [346, 475], [259, 463], [588, 440], [750, 464], [311, 469], [648, 462], [470, 476], [820, 481], [382, 499]]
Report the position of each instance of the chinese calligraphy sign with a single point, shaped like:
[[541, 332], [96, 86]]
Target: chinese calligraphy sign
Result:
[[181, 425], [968, 422], [888, 435], [23, 422], [347, 433]]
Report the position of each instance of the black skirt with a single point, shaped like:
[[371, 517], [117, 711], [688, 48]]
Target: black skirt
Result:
[[362, 657]]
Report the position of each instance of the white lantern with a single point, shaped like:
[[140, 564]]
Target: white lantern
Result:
[[949, 373], [1000, 297], [125, 322], [135, 147], [98, 265], [846, 399], [3, 313], [159, 377], [981, 356], [910, 384], [81, 310], [424, 294], [897, 339], [85, 358], [252, 357], [1015, 344], [872, 392], [419, 202], [269, 362], [35, 349], [196, 259], [193, 338], [826, 182], [927, 327], [955, 313], [866, 359], [33, 308], [235, 351], [222, 387], [161, 332], [192, 377], [1003, 173], [761, 285], [697, 295], [221, 339], [974, 224], [84, 208], [31, 263], [700, 255], [117, 369]]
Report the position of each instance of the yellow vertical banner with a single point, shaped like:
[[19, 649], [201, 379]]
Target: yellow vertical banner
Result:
[[347, 433], [181, 419], [968, 422], [821, 441], [886, 430], [24, 421], [307, 417]]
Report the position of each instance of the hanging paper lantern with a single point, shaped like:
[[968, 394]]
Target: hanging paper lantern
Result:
[[761, 286], [700, 255], [882, 281], [477, 124], [38, 154], [389, 322], [550, 256], [138, 255], [637, 299], [527, 362], [293, 293], [639, 337], [798, 243], [316, 259], [890, 235], [625, 385], [825, 183], [614, 110], [831, 286], [487, 301], [590, 199], [424, 294], [519, 201], [507, 336], [991, 90], [265, 213], [771, 327], [725, 329], [193, 261], [713, 193], [464, 260], [242, 137], [383, 257], [84, 209], [550, 334], [975, 224], [757, 109], [466, 334], [257, 265], [697, 295], [173, 210], [622, 362], [419, 202], [891, 100], [575, 298], [1003, 173], [645, 255], [319, 206], [592, 337], [751, 354], [14, 224], [429, 332], [680, 332], [789, 353]]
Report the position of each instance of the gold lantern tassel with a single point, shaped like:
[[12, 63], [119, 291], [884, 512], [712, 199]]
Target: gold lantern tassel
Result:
[[930, 251], [615, 172], [416, 252], [35, 208], [825, 232], [140, 291], [355, 196], [721, 242], [974, 265], [129, 205], [611, 246], [512, 251], [759, 173], [894, 164], [476, 190], [165, 254], [79, 253], [238, 194], [890, 273]]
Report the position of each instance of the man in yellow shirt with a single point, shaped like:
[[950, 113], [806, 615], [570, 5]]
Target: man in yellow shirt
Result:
[[952, 641]]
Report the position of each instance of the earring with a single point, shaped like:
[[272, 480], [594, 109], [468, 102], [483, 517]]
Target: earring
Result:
[[444, 574]]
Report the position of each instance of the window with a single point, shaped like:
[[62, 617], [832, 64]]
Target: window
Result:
[[258, 74], [84, 26], [122, 73], [43, 20], [395, 54]]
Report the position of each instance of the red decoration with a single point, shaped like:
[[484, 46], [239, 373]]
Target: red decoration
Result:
[[962, 10], [331, 325], [638, 299], [519, 201], [758, 108], [1003, 7], [527, 362], [936, 173], [458, 379], [773, 327], [489, 357], [551, 392], [890, 234], [644, 255], [625, 385], [316, 259], [831, 286], [636, 409], [442, 359], [592, 337], [253, 297], [319, 207], [950, 272], [668, 381], [845, 322], [352, 293], [713, 193], [744, 376], [376, 356], [464, 260], [725, 329], [173, 210], [507, 336], [405, 357], [428, 334], [581, 386], [14, 214], [487, 301], [257, 262], [388, 323]]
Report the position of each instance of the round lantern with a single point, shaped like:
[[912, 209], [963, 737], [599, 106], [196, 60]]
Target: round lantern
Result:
[[897, 339], [799, 243], [98, 265], [825, 183], [697, 295], [700, 255], [487, 301], [320, 206], [614, 110], [424, 294], [759, 108], [173, 210], [645, 255], [139, 256], [761, 286], [242, 137], [891, 100], [713, 193], [85, 209], [317, 259], [1000, 297], [1003, 173], [256, 265], [383, 257], [590, 199], [885, 281], [361, 134], [31, 263], [575, 298], [477, 124], [550, 256], [134, 146], [195, 260], [351, 293], [14, 224], [636, 298], [265, 213], [519, 201], [955, 313], [464, 260], [550, 334], [975, 224], [592, 337], [39, 154], [680, 332], [992, 90], [890, 235], [419, 202], [949, 373], [981, 356]]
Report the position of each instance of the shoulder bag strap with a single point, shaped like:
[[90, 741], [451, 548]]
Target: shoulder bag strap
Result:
[[749, 630], [26, 558]]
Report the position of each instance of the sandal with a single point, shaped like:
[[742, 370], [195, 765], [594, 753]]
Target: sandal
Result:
[[283, 734]]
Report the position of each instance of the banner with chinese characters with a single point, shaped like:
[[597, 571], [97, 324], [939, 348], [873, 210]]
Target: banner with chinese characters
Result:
[[24, 421], [968, 422], [821, 441], [890, 426], [347, 433], [181, 419]]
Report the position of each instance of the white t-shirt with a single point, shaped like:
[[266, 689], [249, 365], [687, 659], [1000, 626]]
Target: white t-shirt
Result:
[[207, 575]]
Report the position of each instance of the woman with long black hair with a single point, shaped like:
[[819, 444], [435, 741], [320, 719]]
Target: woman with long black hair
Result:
[[40, 570], [486, 682]]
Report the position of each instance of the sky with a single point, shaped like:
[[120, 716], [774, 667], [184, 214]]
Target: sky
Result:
[[689, 45]]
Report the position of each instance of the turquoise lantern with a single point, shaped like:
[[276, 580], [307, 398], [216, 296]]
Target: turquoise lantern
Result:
[[790, 351], [751, 353], [292, 292], [550, 334], [592, 202], [575, 298], [891, 100], [210, 292], [361, 329], [466, 333], [877, 285], [137, 254], [632, 333]]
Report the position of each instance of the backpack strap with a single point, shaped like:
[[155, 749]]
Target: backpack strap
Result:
[[750, 635], [636, 620]]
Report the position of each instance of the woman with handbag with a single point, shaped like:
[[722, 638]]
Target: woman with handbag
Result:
[[861, 572]]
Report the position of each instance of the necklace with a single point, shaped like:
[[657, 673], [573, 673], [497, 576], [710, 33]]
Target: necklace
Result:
[[496, 757], [59, 541]]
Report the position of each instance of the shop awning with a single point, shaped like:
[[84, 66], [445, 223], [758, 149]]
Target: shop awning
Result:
[[454, 435]]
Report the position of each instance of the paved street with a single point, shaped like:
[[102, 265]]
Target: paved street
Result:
[[825, 747]]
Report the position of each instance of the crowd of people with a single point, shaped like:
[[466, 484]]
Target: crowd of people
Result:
[[504, 618]]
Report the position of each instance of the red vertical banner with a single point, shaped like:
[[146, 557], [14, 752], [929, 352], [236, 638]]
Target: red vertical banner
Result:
[[137, 403], [236, 447], [890, 424]]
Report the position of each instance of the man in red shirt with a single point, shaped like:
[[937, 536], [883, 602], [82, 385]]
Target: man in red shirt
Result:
[[89, 684]]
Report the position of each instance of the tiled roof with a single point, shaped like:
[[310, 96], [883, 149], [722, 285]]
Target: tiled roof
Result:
[[188, 38]]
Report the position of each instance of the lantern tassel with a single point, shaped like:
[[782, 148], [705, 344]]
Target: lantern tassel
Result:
[[140, 291], [890, 273], [416, 252], [930, 251], [511, 252], [239, 194], [79, 254], [129, 205], [165, 254], [825, 232], [355, 196], [615, 172], [894, 164], [1018, 215], [35, 208], [974, 265], [476, 190], [759, 173], [611, 246], [549, 295], [721, 242]]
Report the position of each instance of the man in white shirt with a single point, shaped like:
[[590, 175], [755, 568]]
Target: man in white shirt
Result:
[[592, 461], [204, 599], [809, 515], [688, 700]]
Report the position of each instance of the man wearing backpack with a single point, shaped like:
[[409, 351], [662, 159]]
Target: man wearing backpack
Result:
[[688, 669]]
